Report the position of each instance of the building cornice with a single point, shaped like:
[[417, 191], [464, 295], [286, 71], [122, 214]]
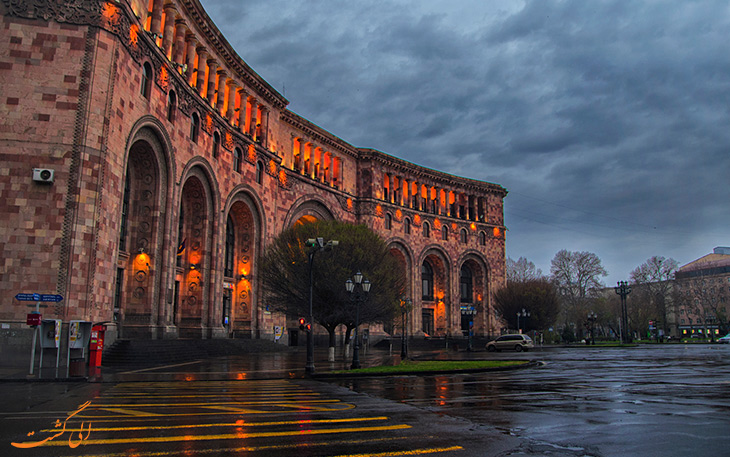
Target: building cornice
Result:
[[408, 169]]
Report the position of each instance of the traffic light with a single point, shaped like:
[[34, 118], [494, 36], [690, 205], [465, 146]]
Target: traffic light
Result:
[[302, 323]]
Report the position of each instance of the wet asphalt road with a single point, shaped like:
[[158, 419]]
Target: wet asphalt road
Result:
[[662, 400]]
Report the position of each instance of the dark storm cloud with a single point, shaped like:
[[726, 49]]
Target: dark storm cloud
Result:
[[606, 120]]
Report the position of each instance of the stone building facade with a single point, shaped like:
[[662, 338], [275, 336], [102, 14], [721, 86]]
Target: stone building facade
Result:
[[146, 167]]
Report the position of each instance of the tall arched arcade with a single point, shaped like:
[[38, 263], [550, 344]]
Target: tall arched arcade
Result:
[[173, 165]]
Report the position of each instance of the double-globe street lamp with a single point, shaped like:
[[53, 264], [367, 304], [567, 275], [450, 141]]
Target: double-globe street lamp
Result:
[[623, 289], [315, 245], [592, 322], [524, 314], [358, 296], [405, 308]]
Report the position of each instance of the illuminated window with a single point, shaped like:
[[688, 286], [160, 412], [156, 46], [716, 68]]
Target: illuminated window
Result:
[[146, 86], [427, 281], [171, 106], [388, 221]]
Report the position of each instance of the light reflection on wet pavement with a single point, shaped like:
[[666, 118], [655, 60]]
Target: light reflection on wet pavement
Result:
[[644, 401]]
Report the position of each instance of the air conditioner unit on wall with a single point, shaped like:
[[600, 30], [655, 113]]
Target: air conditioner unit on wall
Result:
[[43, 175]]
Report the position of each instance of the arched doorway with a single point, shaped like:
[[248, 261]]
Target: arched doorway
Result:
[[474, 292], [192, 278], [435, 297], [138, 276], [238, 313]]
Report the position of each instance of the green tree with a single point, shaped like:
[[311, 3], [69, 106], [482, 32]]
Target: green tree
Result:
[[538, 296], [285, 275]]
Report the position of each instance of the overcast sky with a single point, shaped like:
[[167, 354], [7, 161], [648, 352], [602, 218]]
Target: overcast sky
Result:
[[607, 121]]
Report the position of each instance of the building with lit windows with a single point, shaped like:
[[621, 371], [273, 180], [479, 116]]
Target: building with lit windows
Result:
[[146, 167], [703, 291]]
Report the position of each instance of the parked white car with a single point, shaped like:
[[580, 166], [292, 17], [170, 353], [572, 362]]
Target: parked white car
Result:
[[724, 340], [517, 342]]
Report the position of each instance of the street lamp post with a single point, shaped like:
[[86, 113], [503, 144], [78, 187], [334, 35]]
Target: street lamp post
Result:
[[524, 314], [357, 296], [592, 319], [405, 308], [623, 289], [315, 245]]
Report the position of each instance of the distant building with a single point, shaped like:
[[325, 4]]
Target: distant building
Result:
[[146, 167], [703, 288]]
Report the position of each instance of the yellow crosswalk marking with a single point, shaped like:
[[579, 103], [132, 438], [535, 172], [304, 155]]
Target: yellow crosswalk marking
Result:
[[233, 436]]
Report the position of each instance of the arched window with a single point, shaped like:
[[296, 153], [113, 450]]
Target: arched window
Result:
[[237, 158], [426, 230], [230, 248], [216, 144], [195, 128], [462, 236], [482, 239], [180, 237], [407, 226], [146, 86], [388, 221], [125, 216], [171, 106], [427, 281], [259, 172], [466, 285], [445, 233]]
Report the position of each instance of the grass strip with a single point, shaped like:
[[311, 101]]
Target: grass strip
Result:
[[426, 366]]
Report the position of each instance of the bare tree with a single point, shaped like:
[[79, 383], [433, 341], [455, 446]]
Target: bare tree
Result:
[[522, 270], [577, 276], [655, 276]]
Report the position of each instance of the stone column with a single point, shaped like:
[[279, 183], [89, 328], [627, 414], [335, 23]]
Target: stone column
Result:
[[230, 112], [212, 69], [190, 59], [168, 35], [179, 49], [252, 126], [156, 17], [243, 97], [221, 99], [202, 65]]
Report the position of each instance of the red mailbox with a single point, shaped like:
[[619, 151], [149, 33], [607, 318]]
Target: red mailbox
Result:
[[34, 319], [96, 346]]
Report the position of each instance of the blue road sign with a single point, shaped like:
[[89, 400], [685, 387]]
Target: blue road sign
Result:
[[51, 297], [39, 297]]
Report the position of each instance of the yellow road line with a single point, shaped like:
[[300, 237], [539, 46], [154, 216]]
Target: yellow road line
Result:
[[222, 394], [237, 424], [409, 452], [271, 447], [179, 405], [335, 408], [232, 436]]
